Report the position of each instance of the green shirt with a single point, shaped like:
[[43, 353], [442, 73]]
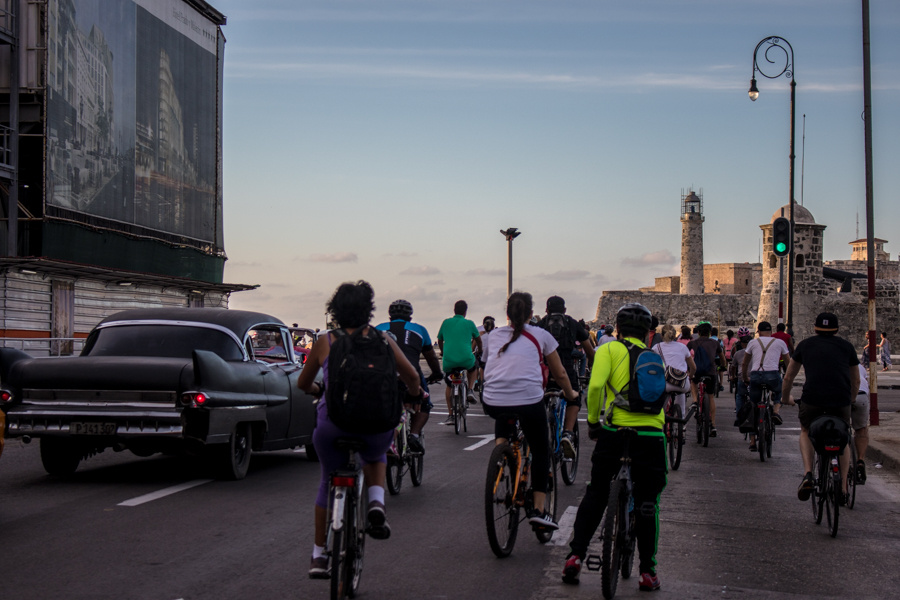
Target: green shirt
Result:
[[457, 334], [612, 365]]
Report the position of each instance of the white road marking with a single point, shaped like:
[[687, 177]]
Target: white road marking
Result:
[[469, 415], [164, 492], [566, 525], [788, 429], [485, 440]]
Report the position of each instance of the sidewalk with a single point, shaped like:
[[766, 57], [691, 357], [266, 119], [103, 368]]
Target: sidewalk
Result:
[[884, 442]]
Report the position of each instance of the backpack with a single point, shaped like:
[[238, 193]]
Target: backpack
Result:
[[647, 386], [704, 364], [559, 327], [829, 434], [362, 393]]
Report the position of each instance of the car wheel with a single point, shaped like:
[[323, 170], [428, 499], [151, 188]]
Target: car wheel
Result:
[[311, 454], [59, 456], [234, 457]]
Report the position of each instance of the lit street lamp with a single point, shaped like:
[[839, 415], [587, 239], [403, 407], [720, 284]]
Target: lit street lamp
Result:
[[510, 234], [772, 43]]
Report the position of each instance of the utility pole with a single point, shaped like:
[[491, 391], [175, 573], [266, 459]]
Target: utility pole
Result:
[[510, 234], [870, 216]]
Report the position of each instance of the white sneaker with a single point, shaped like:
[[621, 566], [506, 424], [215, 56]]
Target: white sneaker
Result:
[[542, 521]]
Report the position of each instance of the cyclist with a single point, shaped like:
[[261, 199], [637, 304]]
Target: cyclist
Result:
[[351, 307], [728, 344], [607, 336], [487, 326], [716, 356], [567, 332], [513, 384], [736, 370], [859, 420], [761, 367], [677, 356], [685, 337], [414, 340], [832, 383], [455, 339], [648, 452], [784, 336], [654, 338], [721, 367]]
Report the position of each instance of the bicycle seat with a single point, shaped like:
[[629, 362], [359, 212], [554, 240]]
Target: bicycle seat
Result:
[[350, 444]]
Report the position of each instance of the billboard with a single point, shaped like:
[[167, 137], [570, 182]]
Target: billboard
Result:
[[133, 115]]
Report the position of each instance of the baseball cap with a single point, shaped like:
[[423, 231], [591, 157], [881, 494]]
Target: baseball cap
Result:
[[764, 326], [555, 304], [827, 322]]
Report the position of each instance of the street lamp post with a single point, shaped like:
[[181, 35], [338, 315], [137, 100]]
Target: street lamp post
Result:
[[771, 43], [510, 234]]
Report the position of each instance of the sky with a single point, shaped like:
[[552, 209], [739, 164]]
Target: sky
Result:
[[391, 141]]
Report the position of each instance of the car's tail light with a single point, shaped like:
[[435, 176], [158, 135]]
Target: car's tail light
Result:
[[5, 396], [194, 399], [343, 481]]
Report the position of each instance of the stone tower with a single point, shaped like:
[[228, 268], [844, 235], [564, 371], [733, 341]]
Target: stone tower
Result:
[[691, 243], [809, 285]]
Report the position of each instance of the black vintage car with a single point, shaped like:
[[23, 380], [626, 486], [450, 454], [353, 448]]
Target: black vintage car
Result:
[[204, 381]]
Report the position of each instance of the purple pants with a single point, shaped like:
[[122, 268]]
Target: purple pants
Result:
[[332, 459]]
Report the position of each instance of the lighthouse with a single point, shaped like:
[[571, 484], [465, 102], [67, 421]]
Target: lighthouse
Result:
[[691, 243]]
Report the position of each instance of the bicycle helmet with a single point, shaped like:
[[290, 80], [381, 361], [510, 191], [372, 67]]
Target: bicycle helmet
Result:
[[400, 309], [488, 324], [743, 332], [634, 315]]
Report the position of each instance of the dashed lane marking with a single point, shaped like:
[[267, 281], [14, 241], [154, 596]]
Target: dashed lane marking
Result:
[[566, 525], [164, 492], [485, 440]]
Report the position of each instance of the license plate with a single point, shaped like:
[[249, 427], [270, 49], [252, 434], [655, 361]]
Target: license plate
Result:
[[76, 428]]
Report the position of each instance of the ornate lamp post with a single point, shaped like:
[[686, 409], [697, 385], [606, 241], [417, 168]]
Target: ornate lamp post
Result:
[[773, 49], [510, 234]]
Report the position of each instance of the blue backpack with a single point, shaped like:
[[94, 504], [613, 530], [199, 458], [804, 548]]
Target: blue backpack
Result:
[[647, 387]]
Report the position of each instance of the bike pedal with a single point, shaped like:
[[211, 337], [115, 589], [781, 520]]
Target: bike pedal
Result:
[[592, 562]]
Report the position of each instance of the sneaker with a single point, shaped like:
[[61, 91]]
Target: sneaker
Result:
[[860, 472], [318, 568], [753, 447], [449, 420], [568, 444], [806, 487], [572, 570], [712, 432], [378, 526], [415, 444], [776, 418], [392, 451], [470, 397], [541, 520], [649, 582]]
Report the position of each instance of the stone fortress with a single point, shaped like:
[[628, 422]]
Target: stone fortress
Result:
[[732, 295]]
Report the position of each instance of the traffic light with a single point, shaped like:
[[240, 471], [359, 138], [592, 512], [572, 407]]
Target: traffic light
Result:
[[781, 236]]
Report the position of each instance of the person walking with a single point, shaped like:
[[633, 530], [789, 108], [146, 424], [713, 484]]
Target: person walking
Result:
[[885, 346]]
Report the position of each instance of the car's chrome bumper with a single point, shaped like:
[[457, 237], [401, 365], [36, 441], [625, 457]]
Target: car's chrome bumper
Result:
[[52, 418]]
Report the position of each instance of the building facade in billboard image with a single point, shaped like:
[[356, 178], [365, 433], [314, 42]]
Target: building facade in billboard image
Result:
[[132, 115]]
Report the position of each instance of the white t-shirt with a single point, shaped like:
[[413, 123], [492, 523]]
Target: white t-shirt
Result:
[[863, 379], [605, 339], [514, 377], [675, 354], [773, 354]]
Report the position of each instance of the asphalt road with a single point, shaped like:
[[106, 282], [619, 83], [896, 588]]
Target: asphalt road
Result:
[[730, 527]]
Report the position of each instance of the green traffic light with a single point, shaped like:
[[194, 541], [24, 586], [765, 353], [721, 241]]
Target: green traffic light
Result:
[[780, 247]]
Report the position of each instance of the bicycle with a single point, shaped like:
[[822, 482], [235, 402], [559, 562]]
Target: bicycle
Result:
[[765, 428], [460, 406], [556, 405], [406, 459], [507, 492], [674, 430], [348, 519], [704, 422], [852, 473], [827, 489]]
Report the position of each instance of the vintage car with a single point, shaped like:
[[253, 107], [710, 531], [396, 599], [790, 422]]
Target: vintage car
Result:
[[207, 381]]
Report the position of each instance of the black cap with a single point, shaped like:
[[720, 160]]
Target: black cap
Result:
[[764, 326], [555, 304], [827, 322]]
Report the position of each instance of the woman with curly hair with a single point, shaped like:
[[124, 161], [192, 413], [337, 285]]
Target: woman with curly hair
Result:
[[351, 307]]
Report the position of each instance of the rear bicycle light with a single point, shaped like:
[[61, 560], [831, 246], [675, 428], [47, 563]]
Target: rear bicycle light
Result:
[[343, 481], [832, 448], [5, 396]]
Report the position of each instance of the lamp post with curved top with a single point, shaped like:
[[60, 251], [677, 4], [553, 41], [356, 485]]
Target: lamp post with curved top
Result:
[[510, 234], [772, 51]]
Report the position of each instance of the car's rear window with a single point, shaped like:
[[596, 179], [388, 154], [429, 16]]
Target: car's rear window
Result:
[[165, 341]]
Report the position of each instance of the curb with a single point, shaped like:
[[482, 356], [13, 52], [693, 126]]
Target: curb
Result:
[[876, 452]]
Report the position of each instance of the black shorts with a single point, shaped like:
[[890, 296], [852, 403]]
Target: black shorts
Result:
[[809, 412], [708, 381]]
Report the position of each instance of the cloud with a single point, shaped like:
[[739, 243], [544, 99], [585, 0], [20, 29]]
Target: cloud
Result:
[[651, 259], [486, 272], [277, 285], [407, 254], [565, 275], [337, 257], [242, 264], [435, 282], [421, 271]]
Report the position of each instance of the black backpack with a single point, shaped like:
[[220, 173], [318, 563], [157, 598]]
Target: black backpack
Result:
[[362, 383], [559, 327]]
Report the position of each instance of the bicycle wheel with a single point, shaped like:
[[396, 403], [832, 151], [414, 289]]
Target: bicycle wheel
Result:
[[677, 437], [340, 557], [851, 477], [707, 424], [610, 555], [818, 492], [501, 512], [544, 535], [458, 401], [394, 474], [569, 466], [698, 417], [357, 548], [761, 437], [465, 411], [770, 433], [832, 509], [628, 547]]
